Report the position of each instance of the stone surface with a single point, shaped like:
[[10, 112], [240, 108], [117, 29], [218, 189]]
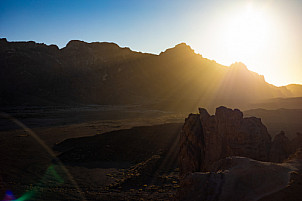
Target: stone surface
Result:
[[206, 139], [237, 178], [222, 158], [192, 145]]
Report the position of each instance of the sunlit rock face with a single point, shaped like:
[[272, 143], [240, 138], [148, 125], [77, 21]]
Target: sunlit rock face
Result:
[[206, 139]]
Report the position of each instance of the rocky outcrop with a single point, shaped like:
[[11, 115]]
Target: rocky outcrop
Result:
[[192, 147], [207, 139], [222, 157]]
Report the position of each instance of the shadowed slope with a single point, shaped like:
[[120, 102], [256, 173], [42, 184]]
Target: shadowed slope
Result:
[[104, 73], [130, 145], [288, 120]]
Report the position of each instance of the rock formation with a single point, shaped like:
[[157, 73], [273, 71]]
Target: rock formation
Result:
[[192, 147], [207, 139], [237, 178], [222, 157]]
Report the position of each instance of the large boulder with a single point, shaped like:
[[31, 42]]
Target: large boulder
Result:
[[236, 178]]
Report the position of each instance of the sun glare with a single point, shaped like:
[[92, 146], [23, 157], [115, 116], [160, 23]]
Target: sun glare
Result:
[[247, 33], [256, 34]]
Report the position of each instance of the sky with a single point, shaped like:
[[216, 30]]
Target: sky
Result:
[[263, 34]]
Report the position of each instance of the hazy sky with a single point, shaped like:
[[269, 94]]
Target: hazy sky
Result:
[[266, 35]]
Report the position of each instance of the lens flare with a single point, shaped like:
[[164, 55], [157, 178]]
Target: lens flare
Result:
[[9, 196], [51, 177]]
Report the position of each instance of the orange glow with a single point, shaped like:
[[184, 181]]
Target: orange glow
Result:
[[246, 33], [256, 34]]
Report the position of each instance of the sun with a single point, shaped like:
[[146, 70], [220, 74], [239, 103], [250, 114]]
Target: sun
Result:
[[246, 33]]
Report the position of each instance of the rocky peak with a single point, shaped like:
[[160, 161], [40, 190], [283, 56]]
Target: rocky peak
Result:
[[75, 44], [224, 114], [204, 115], [238, 66], [182, 46], [180, 49]]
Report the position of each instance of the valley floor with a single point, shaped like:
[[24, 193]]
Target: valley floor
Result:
[[29, 171]]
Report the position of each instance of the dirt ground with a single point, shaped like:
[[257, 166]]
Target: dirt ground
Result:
[[29, 169]]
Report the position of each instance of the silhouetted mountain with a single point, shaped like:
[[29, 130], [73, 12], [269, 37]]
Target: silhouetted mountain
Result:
[[278, 103], [288, 120], [104, 73], [295, 89]]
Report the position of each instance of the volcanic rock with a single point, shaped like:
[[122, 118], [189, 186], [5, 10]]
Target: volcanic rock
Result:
[[222, 158], [206, 139], [192, 147], [237, 178]]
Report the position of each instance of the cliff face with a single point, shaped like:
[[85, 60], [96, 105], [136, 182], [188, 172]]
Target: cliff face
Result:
[[224, 134]]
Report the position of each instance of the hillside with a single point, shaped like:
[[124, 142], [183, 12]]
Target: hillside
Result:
[[288, 120], [104, 73]]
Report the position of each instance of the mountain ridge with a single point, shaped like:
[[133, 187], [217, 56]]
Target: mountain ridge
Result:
[[105, 73]]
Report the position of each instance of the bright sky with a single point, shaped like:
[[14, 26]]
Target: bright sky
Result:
[[263, 34]]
